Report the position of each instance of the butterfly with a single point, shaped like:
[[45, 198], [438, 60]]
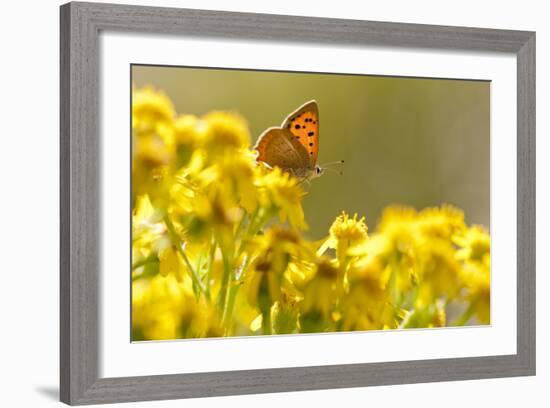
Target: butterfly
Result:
[[294, 145]]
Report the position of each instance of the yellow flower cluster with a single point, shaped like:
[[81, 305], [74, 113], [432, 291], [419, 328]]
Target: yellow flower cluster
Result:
[[218, 248]]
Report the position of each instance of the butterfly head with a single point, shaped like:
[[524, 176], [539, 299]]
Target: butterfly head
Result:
[[318, 171]]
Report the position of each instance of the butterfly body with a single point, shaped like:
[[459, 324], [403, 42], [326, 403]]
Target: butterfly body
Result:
[[294, 145]]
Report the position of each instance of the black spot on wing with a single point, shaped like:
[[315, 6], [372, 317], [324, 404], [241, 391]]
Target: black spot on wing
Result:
[[310, 134]]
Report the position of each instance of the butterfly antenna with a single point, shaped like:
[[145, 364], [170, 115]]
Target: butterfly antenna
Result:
[[332, 163], [339, 172], [339, 162]]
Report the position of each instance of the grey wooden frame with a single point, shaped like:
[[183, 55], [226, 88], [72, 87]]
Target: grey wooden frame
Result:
[[81, 24]]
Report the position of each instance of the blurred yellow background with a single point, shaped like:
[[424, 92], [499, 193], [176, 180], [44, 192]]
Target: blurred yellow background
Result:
[[418, 142]]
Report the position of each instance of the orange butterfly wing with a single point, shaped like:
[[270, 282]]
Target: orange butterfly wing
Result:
[[303, 123], [279, 147]]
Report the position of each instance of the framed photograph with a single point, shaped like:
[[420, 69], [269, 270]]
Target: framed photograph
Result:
[[261, 203]]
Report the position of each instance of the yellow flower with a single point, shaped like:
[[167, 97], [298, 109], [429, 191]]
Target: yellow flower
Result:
[[148, 234], [164, 308], [216, 192], [188, 133], [372, 266], [198, 193], [188, 130], [214, 210], [401, 244], [300, 270], [284, 314], [153, 148], [441, 222], [398, 224], [263, 283], [475, 253], [475, 243], [157, 306], [153, 127], [151, 110], [439, 274], [282, 192], [275, 251], [144, 217], [186, 184], [170, 263], [477, 277], [235, 181], [367, 305], [320, 298], [352, 230], [225, 132], [346, 234]]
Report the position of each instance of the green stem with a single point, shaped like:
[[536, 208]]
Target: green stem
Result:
[[231, 288], [232, 292], [258, 220], [201, 276], [231, 296], [251, 221], [266, 320], [210, 265], [224, 296], [179, 247], [240, 226]]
